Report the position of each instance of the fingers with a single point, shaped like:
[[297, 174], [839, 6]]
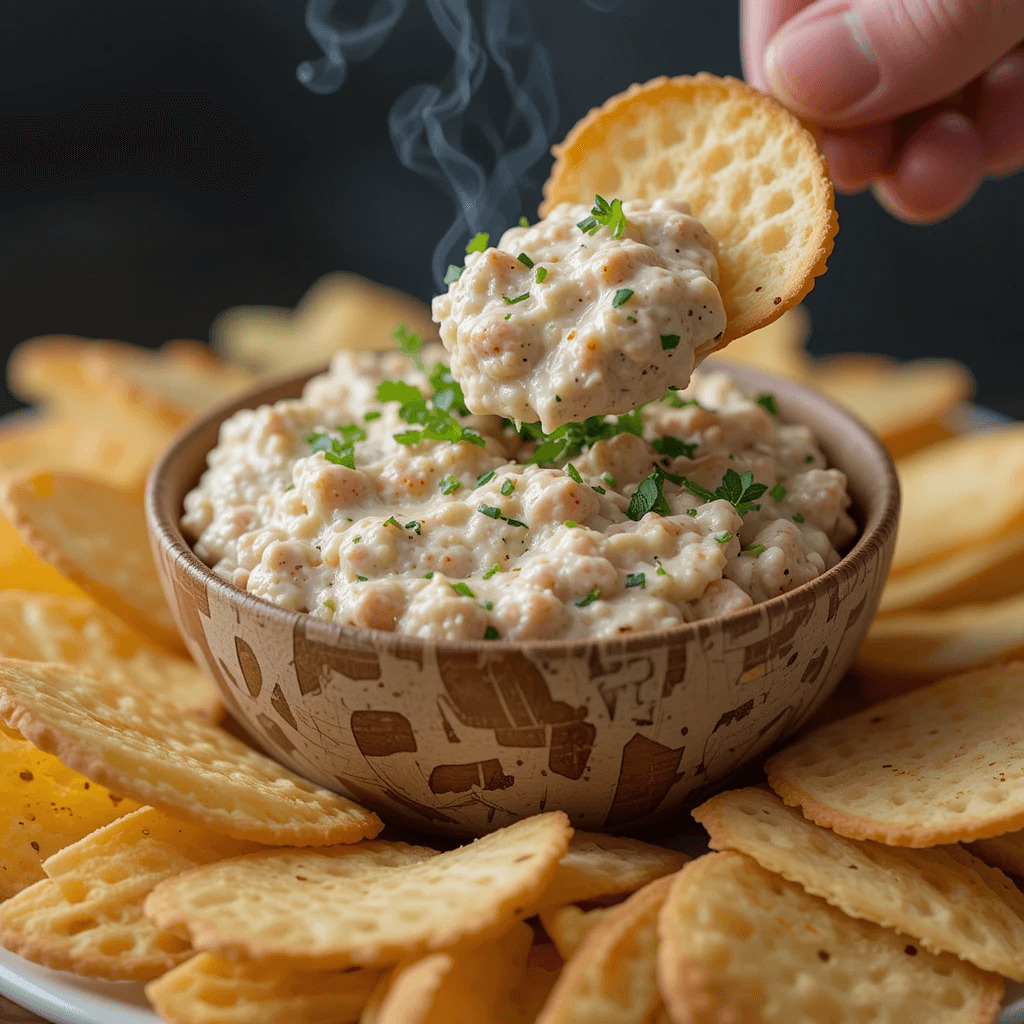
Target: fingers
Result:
[[859, 156], [999, 114], [759, 21], [844, 63]]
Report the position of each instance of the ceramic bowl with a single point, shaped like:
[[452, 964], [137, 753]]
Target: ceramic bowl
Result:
[[460, 738]]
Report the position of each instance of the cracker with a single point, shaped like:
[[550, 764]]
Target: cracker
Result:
[[1005, 852], [336, 908], [95, 535], [466, 984], [22, 569], [612, 978], [777, 348], [86, 916], [44, 806], [210, 990], [908, 650], [77, 631], [597, 866], [943, 897], [939, 482], [977, 575], [749, 170], [739, 943], [942, 764], [340, 311], [128, 740], [568, 926]]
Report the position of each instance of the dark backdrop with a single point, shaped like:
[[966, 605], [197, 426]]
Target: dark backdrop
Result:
[[160, 162]]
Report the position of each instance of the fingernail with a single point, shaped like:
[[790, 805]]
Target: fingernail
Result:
[[1008, 70], [822, 64]]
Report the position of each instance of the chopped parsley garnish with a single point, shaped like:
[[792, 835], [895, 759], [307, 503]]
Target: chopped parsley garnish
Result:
[[754, 549], [493, 571], [673, 447], [523, 222], [453, 273], [740, 491], [373, 414], [484, 478], [621, 297], [608, 479], [605, 214], [767, 401], [449, 485], [329, 604], [573, 473], [600, 490], [571, 523], [692, 512], [671, 399], [508, 487], [649, 497], [392, 521], [571, 438], [724, 538], [525, 260], [558, 398], [463, 589], [360, 579], [636, 579], [591, 597], [290, 487], [411, 344], [797, 518], [631, 319], [490, 633], [491, 511], [518, 298], [338, 453], [516, 522], [428, 575], [478, 242], [669, 341], [541, 274], [489, 606], [660, 571], [778, 492], [356, 540], [433, 415], [415, 525], [808, 458]]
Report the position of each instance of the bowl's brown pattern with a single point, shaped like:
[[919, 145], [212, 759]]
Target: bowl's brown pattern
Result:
[[462, 738]]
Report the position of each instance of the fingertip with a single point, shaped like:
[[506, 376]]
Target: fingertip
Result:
[[936, 171], [999, 114], [857, 157]]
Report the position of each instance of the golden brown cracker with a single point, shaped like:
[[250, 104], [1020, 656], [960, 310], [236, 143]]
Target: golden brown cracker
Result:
[[568, 926]]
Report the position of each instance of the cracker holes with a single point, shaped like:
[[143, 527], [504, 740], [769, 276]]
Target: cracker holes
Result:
[[717, 158], [778, 203], [664, 174], [774, 238], [633, 148]]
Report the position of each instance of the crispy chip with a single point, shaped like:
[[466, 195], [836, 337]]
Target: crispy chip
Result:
[[77, 631], [777, 348], [612, 978], [568, 926], [467, 984], [95, 535], [334, 908], [986, 573], [905, 651], [739, 943], [126, 739], [1005, 852], [210, 990], [22, 569], [942, 764], [904, 403], [86, 916], [340, 311], [44, 805], [935, 481], [749, 170], [944, 898], [598, 865]]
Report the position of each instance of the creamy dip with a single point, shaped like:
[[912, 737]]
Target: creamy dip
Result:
[[561, 322], [700, 504]]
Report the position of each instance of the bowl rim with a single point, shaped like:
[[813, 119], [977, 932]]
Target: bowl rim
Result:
[[881, 520]]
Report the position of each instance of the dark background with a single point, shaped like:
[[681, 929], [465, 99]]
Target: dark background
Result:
[[160, 162]]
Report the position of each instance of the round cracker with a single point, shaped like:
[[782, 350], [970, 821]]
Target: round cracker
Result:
[[942, 764], [739, 943], [748, 168], [132, 743]]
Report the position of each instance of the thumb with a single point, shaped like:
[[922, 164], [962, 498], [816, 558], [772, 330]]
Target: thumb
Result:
[[843, 63]]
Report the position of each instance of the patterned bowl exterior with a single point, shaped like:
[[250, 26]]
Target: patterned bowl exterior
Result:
[[462, 738]]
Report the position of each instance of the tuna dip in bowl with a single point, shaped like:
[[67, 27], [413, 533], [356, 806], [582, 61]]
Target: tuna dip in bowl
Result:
[[546, 565]]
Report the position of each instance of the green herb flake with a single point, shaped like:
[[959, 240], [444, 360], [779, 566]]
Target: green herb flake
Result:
[[428, 575], [621, 297], [508, 487], [491, 511], [338, 453], [573, 473], [329, 604], [660, 571], [360, 579], [591, 597], [433, 417], [808, 458], [508, 316], [453, 273], [373, 414], [484, 478], [463, 589], [570, 439], [600, 490], [669, 341], [637, 579], [692, 512], [673, 401], [778, 492], [392, 521], [605, 214], [797, 518], [649, 497], [767, 401], [357, 540], [541, 275], [755, 550], [673, 447], [493, 571], [724, 538], [411, 344], [490, 633], [415, 525], [525, 260], [516, 522], [489, 606], [608, 479], [740, 491], [449, 485], [518, 298], [631, 319], [478, 242], [571, 523], [290, 487], [523, 222]]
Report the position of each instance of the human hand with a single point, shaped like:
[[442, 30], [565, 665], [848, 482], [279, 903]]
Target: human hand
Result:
[[917, 99]]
